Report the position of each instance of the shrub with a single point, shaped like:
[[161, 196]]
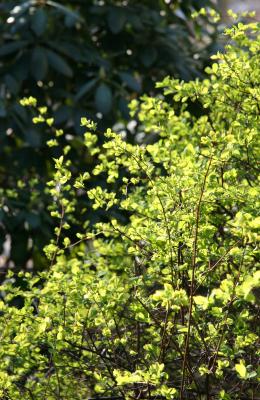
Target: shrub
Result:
[[80, 58], [164, 306]]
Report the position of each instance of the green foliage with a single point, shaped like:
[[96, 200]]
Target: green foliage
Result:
[[81, 57], [165, 305]]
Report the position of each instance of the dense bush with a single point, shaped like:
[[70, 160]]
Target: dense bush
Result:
[[164, 306], [80, 58]]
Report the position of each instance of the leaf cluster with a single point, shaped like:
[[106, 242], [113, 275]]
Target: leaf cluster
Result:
[[166, 305]]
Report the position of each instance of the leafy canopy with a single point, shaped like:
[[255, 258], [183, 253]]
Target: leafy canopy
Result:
[[165, 305]]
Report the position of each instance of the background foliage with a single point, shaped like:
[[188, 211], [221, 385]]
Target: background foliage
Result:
[[80, 58], [165, 305]]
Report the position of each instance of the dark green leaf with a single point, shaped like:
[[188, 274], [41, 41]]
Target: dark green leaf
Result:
[[21, 68], [67, 49], [85, 88], [11, 47], [70, 20], [39, 22], [130, 81], [21, 112], [33, 137], [148, 56], [33, 220], [136, 21], [64, 10], [103, 98], [116, 19], [11, 83], [59, 64], [62, 114], [39, 64], [123, 107], [2, 109]]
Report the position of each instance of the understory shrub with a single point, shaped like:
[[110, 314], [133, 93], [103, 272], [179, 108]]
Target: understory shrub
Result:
[[82, 58], [164, 306]]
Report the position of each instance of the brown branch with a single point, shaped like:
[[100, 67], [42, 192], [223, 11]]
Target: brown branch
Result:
[[194, 260]]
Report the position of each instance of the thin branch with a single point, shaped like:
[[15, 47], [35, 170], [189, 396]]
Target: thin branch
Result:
[[194, 260]]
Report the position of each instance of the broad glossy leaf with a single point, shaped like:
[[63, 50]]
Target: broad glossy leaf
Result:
[[33, 137], [11, 83], [86, 88], [116, 19], [70, 20], [59, 64], [148, 56], [135, 21], [62, 114], [12, 47], [21, 112], [68, 49], [22, 66], [64, 10], [33, 220], [39, 21], [123, 107], [39, 63], [130, 81], [103, 98]]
